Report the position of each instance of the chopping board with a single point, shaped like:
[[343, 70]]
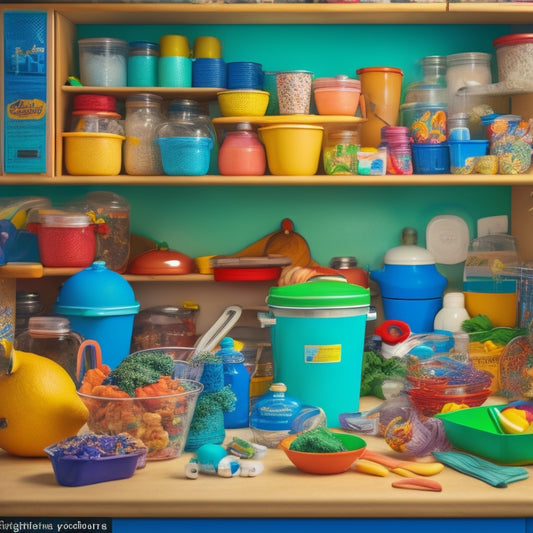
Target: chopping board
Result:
[[283, 242]]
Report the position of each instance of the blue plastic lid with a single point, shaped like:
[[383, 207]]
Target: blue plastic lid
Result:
[[96, 291]]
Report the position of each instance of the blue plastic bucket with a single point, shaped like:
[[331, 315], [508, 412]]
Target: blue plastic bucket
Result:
[[317, 343], [101, 306]]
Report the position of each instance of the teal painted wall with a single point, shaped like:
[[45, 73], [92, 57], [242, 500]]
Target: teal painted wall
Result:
[[360, 221]]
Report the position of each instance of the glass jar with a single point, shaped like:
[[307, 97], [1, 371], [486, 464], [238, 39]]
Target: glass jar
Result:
[[52, 337], [141, 153], [399, 156], [28, 304], [142, 64], [111, 213], [241, 153], [340, 152]]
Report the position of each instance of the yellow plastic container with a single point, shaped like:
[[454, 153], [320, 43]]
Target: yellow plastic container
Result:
[[292, 149], [93, 154], [243, 103], [501, 307]]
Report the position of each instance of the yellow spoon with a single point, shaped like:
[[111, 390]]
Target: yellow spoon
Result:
[[422, 469]]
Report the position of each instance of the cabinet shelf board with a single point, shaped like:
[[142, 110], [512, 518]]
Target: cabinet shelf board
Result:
[[421, 180]]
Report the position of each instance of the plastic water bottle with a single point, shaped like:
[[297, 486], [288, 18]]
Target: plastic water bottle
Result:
[[236, 375], [453, 313]]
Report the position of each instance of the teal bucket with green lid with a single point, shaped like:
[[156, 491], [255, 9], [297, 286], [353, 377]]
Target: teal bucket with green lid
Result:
[[317, 334]]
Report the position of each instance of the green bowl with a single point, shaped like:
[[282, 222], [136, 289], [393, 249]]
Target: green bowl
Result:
[[473, 430]]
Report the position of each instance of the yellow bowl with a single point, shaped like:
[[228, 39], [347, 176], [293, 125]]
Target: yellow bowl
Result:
[[246, 103], [501, 308], [93, 154], [292, 149]]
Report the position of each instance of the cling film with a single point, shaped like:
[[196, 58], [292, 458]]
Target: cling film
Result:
[[329, 353]]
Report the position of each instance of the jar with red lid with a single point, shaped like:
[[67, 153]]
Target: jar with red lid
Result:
[[242, 153], [66, 239], [96, 113]]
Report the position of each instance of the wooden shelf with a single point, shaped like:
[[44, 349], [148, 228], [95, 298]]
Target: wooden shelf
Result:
[[388, 180]]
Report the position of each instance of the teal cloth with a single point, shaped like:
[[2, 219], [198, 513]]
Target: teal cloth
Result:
[[493, 474]]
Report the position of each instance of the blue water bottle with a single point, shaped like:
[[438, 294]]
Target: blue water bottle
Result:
[[237, 377]]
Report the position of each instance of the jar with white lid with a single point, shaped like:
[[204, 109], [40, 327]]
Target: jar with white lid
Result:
[[52, 337], [141, 153], [466, 70], [65, 239]]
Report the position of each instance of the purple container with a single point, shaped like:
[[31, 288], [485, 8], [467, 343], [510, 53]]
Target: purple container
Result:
[[72, 471]]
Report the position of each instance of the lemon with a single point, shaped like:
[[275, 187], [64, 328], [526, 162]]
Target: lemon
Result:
[[38, 403], [512, 421]]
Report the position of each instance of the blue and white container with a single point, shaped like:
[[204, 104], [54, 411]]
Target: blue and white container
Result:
[[411, 287], [142, 64], [317, 342]]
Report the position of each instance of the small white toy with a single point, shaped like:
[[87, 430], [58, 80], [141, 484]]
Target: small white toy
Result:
[[214, 459]]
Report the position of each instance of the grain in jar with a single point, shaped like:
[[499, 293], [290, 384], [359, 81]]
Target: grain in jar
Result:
[[141, 153]]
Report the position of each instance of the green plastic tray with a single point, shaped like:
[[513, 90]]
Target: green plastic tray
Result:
[[473, 431]]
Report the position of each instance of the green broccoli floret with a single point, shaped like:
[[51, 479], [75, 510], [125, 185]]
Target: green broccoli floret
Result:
[[140, 369], [317, 440]]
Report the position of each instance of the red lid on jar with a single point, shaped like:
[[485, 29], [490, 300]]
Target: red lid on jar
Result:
[[94, 102], [516, 38]]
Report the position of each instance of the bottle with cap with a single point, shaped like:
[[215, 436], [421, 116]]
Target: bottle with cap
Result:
[[272, 416], [453, 313], [237, 377]]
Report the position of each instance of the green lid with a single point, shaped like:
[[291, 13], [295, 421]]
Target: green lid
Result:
[[319, 293]]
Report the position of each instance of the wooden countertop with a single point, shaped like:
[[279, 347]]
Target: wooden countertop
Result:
[[160, 490]]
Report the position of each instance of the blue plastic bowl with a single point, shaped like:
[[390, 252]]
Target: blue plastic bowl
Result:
[[431, 158], [185, 156]]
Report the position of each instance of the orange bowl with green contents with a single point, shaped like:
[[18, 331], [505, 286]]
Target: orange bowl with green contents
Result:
[[328, 462]]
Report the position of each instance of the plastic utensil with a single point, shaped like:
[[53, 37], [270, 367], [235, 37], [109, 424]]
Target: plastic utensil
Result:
[[218, 330], [422, 469]]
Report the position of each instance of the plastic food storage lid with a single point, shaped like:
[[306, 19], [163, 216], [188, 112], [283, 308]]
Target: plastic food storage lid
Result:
[[105, 44], [392, 70], [46, 326], [338, 82], [409, 254], [465, 58], [62, 219], [96, 291], [94, 102], [516, 38], [447, 238], [319, 293]]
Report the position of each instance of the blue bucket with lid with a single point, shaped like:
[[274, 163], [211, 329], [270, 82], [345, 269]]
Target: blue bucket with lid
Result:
[[317, 342], [101, 306]]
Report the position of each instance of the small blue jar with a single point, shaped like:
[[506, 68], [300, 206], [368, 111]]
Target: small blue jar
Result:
[[142, 64]]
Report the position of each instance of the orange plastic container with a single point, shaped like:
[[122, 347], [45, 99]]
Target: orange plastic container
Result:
[[337, 96]]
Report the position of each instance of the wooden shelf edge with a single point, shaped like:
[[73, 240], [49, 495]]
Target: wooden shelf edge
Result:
[[418, 180], [286, 13]]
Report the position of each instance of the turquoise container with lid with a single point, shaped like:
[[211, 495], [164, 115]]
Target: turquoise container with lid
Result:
[[100, 305], [317, 342]]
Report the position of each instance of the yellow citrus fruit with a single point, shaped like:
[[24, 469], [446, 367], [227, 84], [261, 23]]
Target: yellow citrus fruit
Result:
[[38, 403], [513, 420]]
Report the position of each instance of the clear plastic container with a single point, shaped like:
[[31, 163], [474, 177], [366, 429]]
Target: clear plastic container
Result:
[[399, 155], [52, 337], [466, 70], [103, 62], [141, 153], [111, 213], [165, 325]]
